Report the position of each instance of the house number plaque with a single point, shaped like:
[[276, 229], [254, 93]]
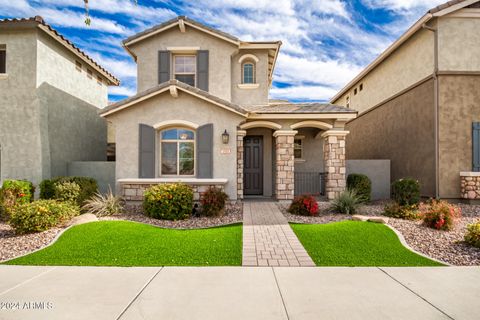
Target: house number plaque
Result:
[[225, 151]]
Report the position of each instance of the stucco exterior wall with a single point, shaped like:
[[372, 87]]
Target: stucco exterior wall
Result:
[[401, 130], [56, 66], [409, 64], [186, 107], [220, 53], [459, 103], [312, 151], [256, 96], [459, 43], [268, 164], [21, 154]]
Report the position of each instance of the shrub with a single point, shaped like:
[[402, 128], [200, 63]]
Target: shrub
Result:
[[14, 192], [304, 205], [406, 191], [407, 212], [473, 234], [67, 191], [361, 184], [439, 214], [168, 201], [213, 202], [347, 202], [88, 187], [41, 215], [104, 205]]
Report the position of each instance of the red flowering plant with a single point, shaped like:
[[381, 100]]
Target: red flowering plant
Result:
[[304, 205], [439, 214]]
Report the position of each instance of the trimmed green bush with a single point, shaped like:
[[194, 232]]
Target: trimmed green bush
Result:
[[361, 184], [41, 215], [473, 234], [88, 187], [407, 212], [304, 205], [406, 191], [14, 192], [168, 201], [67, 191], [213, 202], [347, 202]]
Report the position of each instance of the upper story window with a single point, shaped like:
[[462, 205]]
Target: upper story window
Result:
[[185, 68], [177, 152], [78, 66], [3, 59], [248, 73], [90, 74], [348, 102]]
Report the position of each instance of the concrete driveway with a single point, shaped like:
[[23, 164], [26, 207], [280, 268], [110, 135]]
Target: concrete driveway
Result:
[[239, 293]]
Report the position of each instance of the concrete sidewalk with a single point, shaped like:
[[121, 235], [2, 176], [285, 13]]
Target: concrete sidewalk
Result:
[[239, 293]]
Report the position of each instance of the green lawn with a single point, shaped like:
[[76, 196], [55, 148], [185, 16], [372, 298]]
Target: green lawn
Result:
[[353, 243], [123, 243]]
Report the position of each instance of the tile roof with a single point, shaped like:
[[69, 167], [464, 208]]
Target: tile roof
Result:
[[38, 20], [445, 6], [301, 108]]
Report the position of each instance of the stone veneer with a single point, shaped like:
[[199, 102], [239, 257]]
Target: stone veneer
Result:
[[335, 164], [470, 185], [240, 135], [285, 164], [134, 191]]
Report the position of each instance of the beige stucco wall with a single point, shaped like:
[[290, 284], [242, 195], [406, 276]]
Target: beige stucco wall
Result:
[[312, 151], [255, 96], [56, 66], [412, 62], [459, 43], [220, 53], [459, 107], [186, 107]]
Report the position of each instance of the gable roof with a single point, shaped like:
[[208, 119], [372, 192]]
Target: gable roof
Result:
[[438, 11], [172, 85], [39, 22]]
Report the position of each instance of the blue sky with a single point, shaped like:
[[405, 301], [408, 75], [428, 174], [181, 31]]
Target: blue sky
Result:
[[325, 42]]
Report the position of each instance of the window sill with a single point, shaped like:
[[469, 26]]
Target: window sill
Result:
[[300, 160], [3, 76], [173, 180], [248, 86]]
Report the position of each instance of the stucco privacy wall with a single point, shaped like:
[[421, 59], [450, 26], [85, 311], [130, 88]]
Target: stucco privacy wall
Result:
[[71, 130], [268, 163], [56, 65], [164, 107], [102, 171], [412, 62], [459, 106], [220, 53], [401, 130], [459, 43], [378, 171], [21, 155]]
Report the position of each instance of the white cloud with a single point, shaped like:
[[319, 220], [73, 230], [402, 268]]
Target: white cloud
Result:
[[119, 68], [312, 93], [122, 90], [402, 5]]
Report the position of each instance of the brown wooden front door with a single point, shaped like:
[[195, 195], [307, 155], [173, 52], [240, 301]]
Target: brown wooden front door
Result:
[[253, 165]]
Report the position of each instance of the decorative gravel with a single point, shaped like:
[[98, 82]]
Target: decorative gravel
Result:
[[233, 214], [13, 245]]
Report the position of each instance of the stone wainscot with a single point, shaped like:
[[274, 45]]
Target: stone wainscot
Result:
[[470, 185]]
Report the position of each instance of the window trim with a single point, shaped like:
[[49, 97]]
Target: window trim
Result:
[[302, 147], [254, 71], [195, 73], [159, 141]]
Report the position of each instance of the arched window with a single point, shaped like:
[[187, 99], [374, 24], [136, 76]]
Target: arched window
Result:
[[177, 152], [248, 72]]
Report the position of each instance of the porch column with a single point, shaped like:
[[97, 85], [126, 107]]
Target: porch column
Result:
[[285, 162], [335, 164], [240, 135]]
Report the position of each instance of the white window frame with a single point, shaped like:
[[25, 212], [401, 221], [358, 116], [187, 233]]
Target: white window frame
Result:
[[254, 72], [174, 73], [178, 141], [302, 146]]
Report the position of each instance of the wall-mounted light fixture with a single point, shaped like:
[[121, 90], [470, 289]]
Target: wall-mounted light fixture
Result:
[[225, 137]]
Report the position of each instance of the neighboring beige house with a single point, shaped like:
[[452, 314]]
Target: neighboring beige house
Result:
[[50, 92], [419, 103], [202, 116]]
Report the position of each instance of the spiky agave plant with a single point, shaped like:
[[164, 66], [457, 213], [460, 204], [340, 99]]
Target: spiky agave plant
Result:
[[104, 204], [347, 202]]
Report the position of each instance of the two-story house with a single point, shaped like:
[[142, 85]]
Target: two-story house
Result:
[[419, 103], [202, 115], [50, 93]]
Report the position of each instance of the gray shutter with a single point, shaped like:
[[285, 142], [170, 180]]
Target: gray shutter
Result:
[[205, 151], [146, 152], [476, 145], [202, 70], [3, 61], [163, 66]]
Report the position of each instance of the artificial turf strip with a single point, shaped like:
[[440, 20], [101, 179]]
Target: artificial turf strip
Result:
[[123, 243], [354, 243]]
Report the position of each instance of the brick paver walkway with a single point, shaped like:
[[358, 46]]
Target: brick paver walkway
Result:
[[268, 240]]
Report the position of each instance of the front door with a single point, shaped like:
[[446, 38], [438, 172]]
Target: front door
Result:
[[253, 165]]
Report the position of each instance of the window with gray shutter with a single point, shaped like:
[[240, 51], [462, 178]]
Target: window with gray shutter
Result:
[[476, 146], [146, 152], [202, 69], [205, 151], [163, 66]]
